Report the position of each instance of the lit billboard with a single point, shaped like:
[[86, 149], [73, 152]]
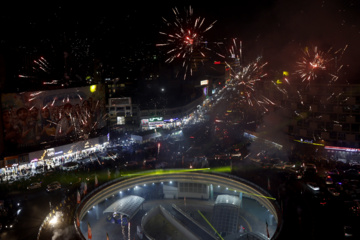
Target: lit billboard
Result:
[[36, 118]]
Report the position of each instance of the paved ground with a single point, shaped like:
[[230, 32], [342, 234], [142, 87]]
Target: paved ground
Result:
[[252, 216]]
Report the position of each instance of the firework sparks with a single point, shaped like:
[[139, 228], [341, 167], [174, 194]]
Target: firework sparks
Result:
[[245, 80], [312, 62], [49, 116], [316, 62], [42, 64], [186, 38]]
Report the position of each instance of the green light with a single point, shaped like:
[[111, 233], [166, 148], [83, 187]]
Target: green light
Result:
[[311, 143], [163, 172], [210, 224], [221, 169]]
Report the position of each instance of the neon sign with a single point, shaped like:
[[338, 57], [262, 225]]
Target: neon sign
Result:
[[342, 149], [155, 119]]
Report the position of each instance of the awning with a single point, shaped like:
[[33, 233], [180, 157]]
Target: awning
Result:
[[128, 206]]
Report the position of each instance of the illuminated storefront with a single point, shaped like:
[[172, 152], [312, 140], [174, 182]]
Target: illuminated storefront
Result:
[[69, 152], [39, 119], [343, 154], [151, 123]]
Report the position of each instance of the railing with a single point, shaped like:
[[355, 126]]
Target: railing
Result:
[[110, 187]]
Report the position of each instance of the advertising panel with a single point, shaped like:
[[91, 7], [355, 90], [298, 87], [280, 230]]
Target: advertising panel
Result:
[[34, 118]]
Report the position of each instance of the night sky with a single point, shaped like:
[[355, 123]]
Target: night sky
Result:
[[277, 30]]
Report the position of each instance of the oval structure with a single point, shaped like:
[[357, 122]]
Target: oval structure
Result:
[[194, 203]]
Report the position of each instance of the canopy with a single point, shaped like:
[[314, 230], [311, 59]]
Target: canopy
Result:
[[128, 205]]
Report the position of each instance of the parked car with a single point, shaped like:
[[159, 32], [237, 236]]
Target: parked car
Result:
[[310, 167], [8, 221], [333, 172], [34, 185], [296, 172], [329, 180], [266, 165], [348, 231], [54, 183], [322, 199], [352, 172], [339, 186], [53, 186], [333, 191], [279, 166], [313, 186], [69, 166]]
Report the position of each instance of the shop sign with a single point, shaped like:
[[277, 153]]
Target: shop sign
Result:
[[204, 82], [342, 149], [155, 119], [51, 152], [144, 122]]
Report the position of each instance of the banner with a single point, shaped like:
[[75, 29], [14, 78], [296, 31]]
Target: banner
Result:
[[42, 117], [89, 232], [85, 188], [78, 197], [77, 221]]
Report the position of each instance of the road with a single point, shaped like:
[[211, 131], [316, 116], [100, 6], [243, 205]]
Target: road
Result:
[[303, 216], [34, 209]]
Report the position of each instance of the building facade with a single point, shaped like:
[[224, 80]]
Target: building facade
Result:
[[327, 117], [42, 127]]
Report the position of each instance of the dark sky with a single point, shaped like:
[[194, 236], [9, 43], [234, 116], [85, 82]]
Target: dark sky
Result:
[[276, 29]]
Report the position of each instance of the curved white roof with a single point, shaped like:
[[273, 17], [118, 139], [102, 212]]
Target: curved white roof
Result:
[[128, 205], [228, 199]]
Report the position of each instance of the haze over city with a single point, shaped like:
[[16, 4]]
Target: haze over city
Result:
[[173, 109]]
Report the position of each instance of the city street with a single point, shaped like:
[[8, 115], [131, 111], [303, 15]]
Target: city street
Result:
[[305, 214], [35, 206]]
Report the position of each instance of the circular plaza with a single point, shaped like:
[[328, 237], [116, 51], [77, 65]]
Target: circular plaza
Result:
[[178, 204]]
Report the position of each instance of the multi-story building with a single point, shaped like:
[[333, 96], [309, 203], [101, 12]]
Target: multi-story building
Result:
[[44, 127], [325, 116], [122, 113]]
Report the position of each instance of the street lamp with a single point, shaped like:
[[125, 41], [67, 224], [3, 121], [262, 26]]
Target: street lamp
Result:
[[54, 220]]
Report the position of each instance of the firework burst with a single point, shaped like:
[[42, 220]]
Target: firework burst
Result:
[[316, 62], [246, 81], [185, 38]]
